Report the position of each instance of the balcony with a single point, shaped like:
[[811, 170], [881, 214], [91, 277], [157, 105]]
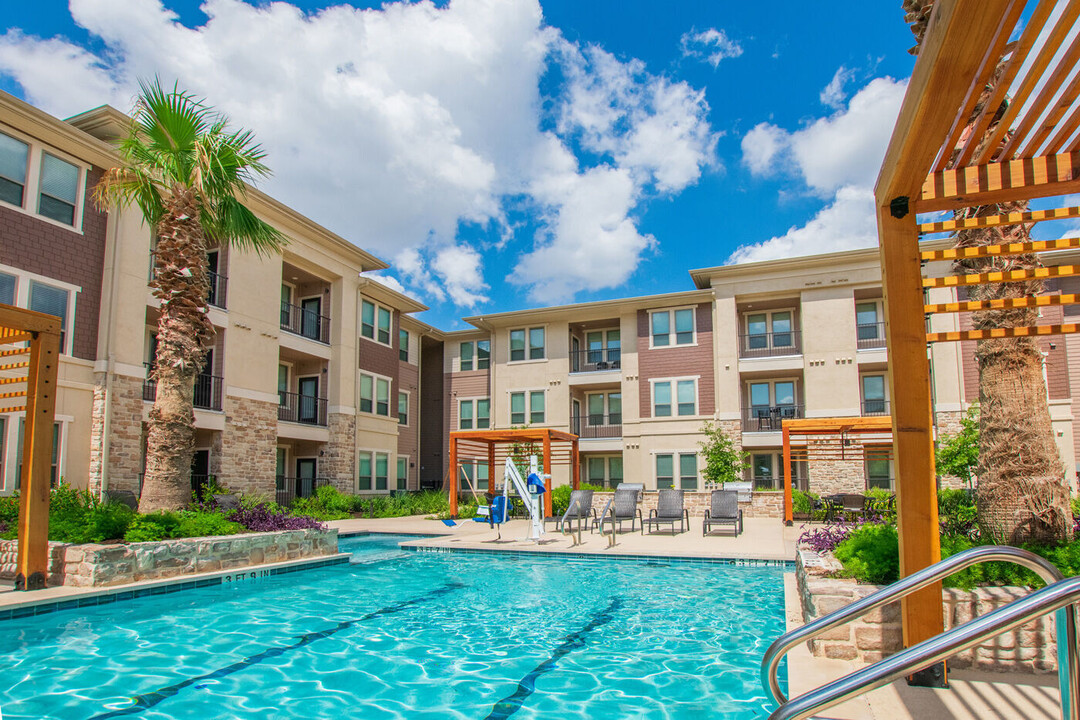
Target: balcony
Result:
[[766, 345], [218, 284], [208, 389], [870, 336], [765, 418], [305, 323], [586, 361], [289, 488], [768, 482], [597, 426], [875, 407], [303, 409]]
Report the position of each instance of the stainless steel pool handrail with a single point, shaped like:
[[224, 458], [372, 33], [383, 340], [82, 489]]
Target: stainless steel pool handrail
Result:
[[578, 517], [603, 514], [1060, 595], [770, 663]]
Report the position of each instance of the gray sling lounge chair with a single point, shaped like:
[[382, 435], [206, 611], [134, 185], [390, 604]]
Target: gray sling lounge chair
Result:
[[579, 509], [723, 510], [624, 505], [670, 510]]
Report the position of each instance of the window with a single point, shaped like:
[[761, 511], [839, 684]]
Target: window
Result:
[[685, 397], [535, 349], [367, 393], [483, 414], [688, 471], [873, 395], [382, 397], [603, 347], [867, 321], [481, 420], [59, 186], [473, 474], [482, 357], [605, 471], [363, 471], [382, 466], [769, 330], [403, 345], [374, 395], [665, 471], [402, 473], [14, 155], [767, 471], [879, 468], [536, 408], [51, 301], [597, 403], [375, 322], [770, 403], [7, 285], [465, 415], [403, 408], [672, 327], [517, 408], [54, 465]]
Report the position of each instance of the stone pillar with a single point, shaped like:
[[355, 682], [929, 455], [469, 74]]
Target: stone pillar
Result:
[[125, 461], [247, 446], [337, 461]]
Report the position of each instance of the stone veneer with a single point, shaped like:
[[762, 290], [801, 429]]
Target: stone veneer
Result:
[[338, 463], [103, 565], [1031, 648], [948, 423], [248, 446], [762, 504], [125, 462]]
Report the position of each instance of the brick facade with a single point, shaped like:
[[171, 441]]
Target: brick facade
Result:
[[249, 444]]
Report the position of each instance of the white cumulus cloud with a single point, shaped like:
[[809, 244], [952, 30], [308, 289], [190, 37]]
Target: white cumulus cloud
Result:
[[398, 126], [710, 46]]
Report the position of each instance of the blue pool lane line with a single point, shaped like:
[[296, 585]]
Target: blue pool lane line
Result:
[[149, 700], [527, 685]]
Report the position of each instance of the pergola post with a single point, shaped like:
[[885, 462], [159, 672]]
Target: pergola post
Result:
[[491, 467], [575, 460], [547, 471], [913, 440], [789, 510]]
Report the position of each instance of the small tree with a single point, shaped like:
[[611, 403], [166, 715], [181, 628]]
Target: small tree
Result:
[[958, 454], [723, 461]]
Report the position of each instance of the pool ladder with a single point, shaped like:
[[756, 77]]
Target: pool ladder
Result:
[[1060, 595]]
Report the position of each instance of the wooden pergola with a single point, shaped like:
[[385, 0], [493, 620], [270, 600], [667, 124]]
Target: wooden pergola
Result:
[[494, 446], [837, 430], [29, 355], [937, 161]]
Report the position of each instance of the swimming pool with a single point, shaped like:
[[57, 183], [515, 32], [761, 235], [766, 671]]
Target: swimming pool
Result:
[[397, 634]]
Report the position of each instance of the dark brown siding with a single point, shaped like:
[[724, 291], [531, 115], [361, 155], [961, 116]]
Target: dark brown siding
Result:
[[432, 406], [40, 247], [678, 362], [409, 381], [472, 384]]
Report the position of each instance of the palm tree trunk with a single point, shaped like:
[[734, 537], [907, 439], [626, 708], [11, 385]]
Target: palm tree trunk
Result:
[[182, 285]]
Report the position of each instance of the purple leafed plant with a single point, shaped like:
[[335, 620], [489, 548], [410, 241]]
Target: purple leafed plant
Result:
[[264, 518], [827, 537]]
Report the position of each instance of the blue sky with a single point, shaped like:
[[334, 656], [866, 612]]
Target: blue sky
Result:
[[504, 154]]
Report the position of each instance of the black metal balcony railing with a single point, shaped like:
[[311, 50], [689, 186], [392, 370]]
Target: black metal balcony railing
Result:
[[306, 409], [774, 344], [595, 360], [289, 488], [208, 389], [875, 407], [768, 482], [870, 335], [597, 426], [305, 323], [218, 284], [766, 418]]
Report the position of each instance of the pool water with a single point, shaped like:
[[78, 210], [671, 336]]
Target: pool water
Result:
[[399, 634]]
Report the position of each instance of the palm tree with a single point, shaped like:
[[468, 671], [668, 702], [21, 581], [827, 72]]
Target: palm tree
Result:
[[186, 171], [1023, 494]]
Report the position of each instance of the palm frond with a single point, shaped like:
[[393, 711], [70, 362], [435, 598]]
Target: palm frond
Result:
[[229, 221]]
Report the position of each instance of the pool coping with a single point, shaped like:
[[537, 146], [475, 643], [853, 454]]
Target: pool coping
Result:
[[419, 547], [18, 604]]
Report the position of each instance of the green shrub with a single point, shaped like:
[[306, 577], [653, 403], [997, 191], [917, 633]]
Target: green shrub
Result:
[[328, 503], [560, 497], [154, 526], [1075, 502], [956, 511], [871, 554], [802, 503], [205, 524]]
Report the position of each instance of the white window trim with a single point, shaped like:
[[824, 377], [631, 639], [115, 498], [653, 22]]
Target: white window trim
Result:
[[606, 480], [675, 478], [360, 323], [528, 392], [398, 457], [408, 343], [375, 394], [674, 397], [408, 408], [32, 188], [472, 399], [866, 465], [527, 359], [374, 452], [884, 383], [879, 309], [671, 327], [23, 279], [769, 313], [772, 389]]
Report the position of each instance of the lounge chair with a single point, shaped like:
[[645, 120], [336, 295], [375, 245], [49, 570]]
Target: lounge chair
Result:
[[670, 510], [124, 497], [580, 509], [723, 510], [624, 505]]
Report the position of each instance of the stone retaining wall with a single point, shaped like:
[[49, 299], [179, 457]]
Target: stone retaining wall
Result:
[[103, 565], [1032, 648], [762, 504]]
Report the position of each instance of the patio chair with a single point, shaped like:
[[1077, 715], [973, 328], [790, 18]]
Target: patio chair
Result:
[[624, 506], [580, 509], [723, 510], [670, 510], [124, 497]]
